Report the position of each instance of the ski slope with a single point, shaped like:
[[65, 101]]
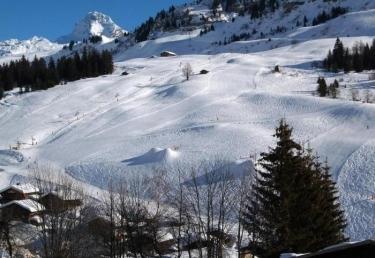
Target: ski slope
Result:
[[108, 126]]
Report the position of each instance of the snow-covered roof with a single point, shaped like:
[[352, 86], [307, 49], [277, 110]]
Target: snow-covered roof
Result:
[[27, 204], [62, 195], [23, 188], [169, 53]]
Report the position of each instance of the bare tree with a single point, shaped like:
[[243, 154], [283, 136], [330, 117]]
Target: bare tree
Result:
[[211, 208], [368, 96], [7, 241], [60, 224], [187, 71], [177, 199], [355, 94], [136, 210], [243, 192]]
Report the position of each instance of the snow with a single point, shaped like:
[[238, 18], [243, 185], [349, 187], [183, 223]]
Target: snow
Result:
[[115, 126], [231, 171], [36, 46], [23, 188], [94, 23], [290, 255], [30, 205]]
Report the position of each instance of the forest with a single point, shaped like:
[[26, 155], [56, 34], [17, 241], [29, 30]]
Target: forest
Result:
[[40, 74]]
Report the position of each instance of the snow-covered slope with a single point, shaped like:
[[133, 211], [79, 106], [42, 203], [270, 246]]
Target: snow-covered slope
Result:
[[93, 24], [229, 112], [107, 126]]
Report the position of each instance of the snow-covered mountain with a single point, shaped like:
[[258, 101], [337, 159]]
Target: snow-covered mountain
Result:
[[35, 45], [112, 124], [93, 24]]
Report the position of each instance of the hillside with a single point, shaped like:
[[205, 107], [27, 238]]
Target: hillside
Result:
[[103, 127]]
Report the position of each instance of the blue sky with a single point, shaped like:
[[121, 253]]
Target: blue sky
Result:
[[23, 19]]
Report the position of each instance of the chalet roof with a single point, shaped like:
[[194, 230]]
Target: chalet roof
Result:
[[169, 53], [30, 205], [340, 247], [22, 188], [66, 196]]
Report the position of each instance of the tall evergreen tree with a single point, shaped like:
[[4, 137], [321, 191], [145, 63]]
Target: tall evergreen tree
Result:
[[215, 4], [338, 53], [322, 87], [1, 90], [305, 21], [293, 203]]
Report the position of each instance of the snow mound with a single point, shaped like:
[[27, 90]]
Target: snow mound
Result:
[[94, 23], [155, 155], [9, 157]]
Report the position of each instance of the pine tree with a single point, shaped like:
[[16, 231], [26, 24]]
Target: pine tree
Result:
[[255, 13], [338, 53], [52, 76], [215, 4], [273, 195], [294, 205], [332, 223], [357, 64], [71, 45], [347, 61], [1, 90], [322, 87], [305, 21], [372, 55], [229, 5]]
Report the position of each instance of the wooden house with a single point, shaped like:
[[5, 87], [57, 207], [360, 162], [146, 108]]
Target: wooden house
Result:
[[55, 201], [246, 252], [22, 210], [167, 54], [18, 192]]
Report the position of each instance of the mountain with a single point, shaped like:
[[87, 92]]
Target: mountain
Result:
[[94, 23], [35, 45]]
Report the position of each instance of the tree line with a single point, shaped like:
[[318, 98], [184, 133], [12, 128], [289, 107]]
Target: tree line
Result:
[[169, 19], [164, 20], [359, 58], [324, 16], [289, 203], [324, 90], [40, 74]]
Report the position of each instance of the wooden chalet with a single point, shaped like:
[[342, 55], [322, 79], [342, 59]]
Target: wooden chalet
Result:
[[167, 54], [54, 201], [18, 192], [23, 210], [246, 252]]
